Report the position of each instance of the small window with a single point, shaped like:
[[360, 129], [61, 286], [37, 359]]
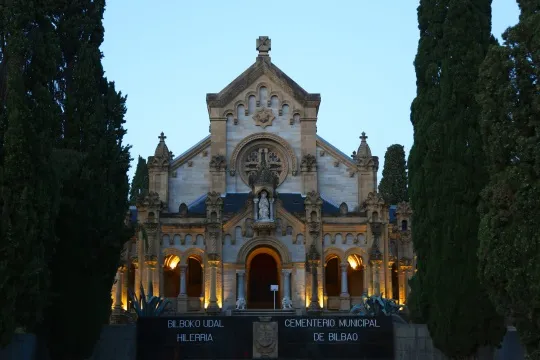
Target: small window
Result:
[[404, 225]]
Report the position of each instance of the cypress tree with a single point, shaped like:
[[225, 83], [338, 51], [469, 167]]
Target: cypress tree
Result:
[[393, 185], [139, 184], [426, 156], [90, 225], [28, 185], [454, 141], [509, 238]]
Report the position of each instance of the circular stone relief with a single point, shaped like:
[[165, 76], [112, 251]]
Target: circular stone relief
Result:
[[249, 160]]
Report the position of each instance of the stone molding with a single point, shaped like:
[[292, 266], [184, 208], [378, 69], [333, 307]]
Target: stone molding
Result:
[[264, 241], [264, 117]]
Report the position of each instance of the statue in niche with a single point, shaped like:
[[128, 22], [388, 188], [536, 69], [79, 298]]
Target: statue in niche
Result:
[[264, 207]]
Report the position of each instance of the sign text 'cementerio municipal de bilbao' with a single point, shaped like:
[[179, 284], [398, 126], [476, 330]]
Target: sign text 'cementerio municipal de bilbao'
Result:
[[246, 337]]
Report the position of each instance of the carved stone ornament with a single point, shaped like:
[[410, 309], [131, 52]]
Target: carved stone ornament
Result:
[[214, 207], [403, 209], [265, 340], [246, 158], [374, 199], [150, 201], [309, 163], [264, 117], [218, 163], [405, 236], [313, 198]]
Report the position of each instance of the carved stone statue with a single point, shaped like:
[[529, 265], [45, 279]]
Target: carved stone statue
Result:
[[241, 304], [264, 207], [286, 303]]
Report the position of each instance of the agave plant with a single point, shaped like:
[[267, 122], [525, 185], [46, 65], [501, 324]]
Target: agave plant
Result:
[[376, 305], [148, 305]]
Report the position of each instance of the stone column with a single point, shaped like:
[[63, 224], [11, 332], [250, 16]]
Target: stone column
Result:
[[287, 285], [182, 301], [272, 209], [118, 292], [255, 208], [369, 271], [183, 269], [408, 275], [344, 297], [376, 278], [382, 281], [213, 306], [118, 315], [401, 279], [137, 281], [366, 280], [241, 297], [344, 285], [150, 262], [314, 301]]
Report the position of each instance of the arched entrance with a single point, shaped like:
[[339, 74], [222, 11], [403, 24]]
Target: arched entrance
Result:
[[263, 270]]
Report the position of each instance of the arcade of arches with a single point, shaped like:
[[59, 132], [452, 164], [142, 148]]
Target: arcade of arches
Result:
[[183, 280]]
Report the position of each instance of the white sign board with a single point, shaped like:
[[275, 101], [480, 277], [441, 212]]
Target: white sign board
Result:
[[273, 288]]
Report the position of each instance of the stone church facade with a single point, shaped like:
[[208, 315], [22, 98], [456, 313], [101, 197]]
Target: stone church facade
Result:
[[264, 200]]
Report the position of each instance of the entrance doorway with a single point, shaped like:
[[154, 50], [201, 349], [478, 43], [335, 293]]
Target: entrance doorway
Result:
[[263, 272]]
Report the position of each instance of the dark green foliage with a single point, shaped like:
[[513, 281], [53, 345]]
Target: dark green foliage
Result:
[[28, 186], [426, 157], [509, 234], [139, 184], [447, 174], [90, 225], [393, 185]]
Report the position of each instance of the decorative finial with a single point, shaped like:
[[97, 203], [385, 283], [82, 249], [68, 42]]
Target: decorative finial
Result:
[[162, 137], [264, 45], [363, 137]]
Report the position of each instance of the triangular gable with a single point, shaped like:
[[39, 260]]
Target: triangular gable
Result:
[[336, 153], [190, 153], [263, 66]]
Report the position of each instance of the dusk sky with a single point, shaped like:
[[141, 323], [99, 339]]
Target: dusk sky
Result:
[[357, 54]]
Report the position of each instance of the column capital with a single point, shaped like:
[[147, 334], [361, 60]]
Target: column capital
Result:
[[286, 271], [344, 266], [241, 272], [182, 267]]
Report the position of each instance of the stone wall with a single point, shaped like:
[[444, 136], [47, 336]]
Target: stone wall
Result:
[[190, 180], [117, 342], [335, 182], [411, 342]]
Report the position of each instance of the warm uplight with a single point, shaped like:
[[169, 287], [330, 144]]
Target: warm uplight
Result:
[[171, 261], [354, 261]]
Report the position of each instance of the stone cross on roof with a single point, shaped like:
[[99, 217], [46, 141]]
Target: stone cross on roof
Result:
[[363, 137], [264, 45], [162, 137]]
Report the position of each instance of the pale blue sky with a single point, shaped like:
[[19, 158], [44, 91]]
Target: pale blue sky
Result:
[[357, 54]]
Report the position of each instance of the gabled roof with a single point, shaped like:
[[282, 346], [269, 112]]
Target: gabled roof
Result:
[[263, 66], [234, 202], [189, 153]]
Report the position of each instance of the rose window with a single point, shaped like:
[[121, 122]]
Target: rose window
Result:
[[254, 157]]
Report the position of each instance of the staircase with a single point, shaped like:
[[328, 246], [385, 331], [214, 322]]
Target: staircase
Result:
[[264, 312]]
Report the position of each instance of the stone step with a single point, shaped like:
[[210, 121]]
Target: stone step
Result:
[[263, 312]]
